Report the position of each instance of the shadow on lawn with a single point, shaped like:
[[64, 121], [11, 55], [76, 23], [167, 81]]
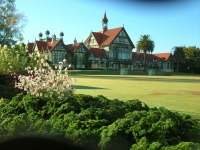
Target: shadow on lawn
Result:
[[86, 87], [136, 78]]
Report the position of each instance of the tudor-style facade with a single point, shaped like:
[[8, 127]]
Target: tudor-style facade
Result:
[[79, 59], [53, 46], [106, 49], [115, 42]]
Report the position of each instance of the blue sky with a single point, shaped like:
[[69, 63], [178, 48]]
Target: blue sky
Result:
[[169, 23]]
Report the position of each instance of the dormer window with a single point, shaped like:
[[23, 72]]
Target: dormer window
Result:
[[121, 39]]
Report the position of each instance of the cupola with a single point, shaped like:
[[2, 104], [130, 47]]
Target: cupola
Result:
[[104, 23], [47, 33], [40, 36], [61, 35]]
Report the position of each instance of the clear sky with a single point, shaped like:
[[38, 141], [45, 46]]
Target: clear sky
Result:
[[169, 22]]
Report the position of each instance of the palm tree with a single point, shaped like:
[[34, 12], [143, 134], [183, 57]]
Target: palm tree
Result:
[[145, 44], [179, 56]]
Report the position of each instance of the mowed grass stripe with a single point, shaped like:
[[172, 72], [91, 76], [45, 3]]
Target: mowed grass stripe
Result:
[[177, 93]]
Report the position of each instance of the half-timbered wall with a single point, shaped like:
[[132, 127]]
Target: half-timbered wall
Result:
[[58, 54]]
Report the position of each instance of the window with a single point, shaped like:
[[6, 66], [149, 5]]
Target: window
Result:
[[122, 54], [57, 57], [80, 58], [91, 57], [121, 39]]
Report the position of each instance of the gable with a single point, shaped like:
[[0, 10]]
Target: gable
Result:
[[94, 39], [81, 48], [99, 39], [58, 46], [123, 38]]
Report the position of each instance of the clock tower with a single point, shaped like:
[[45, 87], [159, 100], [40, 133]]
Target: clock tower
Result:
[[104, 23]]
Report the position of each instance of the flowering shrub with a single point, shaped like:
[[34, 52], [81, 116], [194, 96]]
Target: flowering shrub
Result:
[[43, 81]]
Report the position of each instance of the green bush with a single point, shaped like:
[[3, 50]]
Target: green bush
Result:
[[97, 123]]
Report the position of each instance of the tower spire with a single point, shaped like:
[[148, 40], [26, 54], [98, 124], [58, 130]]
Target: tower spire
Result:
[[104, 23]]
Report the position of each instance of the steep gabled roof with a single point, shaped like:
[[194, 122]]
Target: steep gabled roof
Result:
[[53, 44], [107, 37], [98, 52], [98, 37], [73, 47], [30, 47], [41, 45]]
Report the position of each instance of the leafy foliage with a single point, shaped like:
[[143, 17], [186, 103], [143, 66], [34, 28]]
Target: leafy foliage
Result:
[[192, 59], [97, 123], [11, 23], [187, 59]]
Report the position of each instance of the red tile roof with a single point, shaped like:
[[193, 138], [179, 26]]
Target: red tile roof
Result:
[[164, 56], [107, 37], [30, 47], [139, 56], [53, 44], [98, 52], [41, 45], [73, 47], [151, 57]]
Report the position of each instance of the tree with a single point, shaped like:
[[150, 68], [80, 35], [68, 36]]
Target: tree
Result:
[[145, 44], [192, 56], [11, 23], [179, 56]]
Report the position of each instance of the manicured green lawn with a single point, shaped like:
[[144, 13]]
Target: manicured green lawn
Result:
[[177, 93]]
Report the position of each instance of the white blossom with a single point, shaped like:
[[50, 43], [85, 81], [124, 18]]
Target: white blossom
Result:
[[44, 81]]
